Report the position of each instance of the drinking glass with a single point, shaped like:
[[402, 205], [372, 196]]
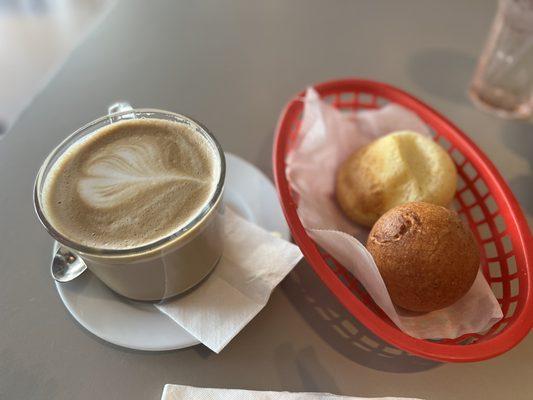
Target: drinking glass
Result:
[[503, 81]]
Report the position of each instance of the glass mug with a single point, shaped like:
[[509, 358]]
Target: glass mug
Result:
[[157, 270]]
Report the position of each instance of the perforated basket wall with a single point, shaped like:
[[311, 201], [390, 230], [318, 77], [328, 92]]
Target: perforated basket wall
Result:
[[483, 200]]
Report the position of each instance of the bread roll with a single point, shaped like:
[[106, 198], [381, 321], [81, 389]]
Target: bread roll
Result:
[[426, 256], [398, 168]]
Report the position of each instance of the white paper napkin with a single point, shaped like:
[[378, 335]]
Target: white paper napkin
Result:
[[179, 392], [327, 137], [253, 263]]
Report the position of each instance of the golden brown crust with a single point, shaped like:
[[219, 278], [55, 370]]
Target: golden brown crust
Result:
[[426, 256]]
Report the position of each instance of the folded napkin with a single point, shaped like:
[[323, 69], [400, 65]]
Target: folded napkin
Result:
[[253, 263], [179, 392]]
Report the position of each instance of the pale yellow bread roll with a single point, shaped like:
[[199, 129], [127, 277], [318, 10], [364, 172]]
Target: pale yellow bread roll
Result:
[[399, 168]]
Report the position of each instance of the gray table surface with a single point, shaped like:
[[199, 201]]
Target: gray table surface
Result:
[[233, 65]]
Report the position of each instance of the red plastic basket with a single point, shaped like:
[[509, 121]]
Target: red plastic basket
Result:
[[483, 200]]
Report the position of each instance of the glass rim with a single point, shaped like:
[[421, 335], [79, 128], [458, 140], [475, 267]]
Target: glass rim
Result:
[[65, 144]]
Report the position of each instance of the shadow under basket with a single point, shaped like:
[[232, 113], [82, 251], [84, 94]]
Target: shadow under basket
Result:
[[483, 200]]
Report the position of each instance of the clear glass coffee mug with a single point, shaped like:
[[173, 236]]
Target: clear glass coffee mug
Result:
[[503, 81], [167, 267]]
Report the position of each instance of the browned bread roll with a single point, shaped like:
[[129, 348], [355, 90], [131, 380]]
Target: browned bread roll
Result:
[[426, 256]]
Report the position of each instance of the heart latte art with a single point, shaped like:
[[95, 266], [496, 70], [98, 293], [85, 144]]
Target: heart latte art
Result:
[[131, 183]]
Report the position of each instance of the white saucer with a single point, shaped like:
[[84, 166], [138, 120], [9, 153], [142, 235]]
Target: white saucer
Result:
[[139, 325]]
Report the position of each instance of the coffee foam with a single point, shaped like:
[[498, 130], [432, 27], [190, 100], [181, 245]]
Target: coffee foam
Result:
[[130, 183]]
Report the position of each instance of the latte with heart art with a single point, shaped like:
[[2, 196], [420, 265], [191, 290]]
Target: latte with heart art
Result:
[[131, 183]]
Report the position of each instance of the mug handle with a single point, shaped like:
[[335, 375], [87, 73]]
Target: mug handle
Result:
[[119, 111]]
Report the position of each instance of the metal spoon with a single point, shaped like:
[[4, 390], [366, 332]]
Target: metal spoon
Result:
[[66, 265]]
